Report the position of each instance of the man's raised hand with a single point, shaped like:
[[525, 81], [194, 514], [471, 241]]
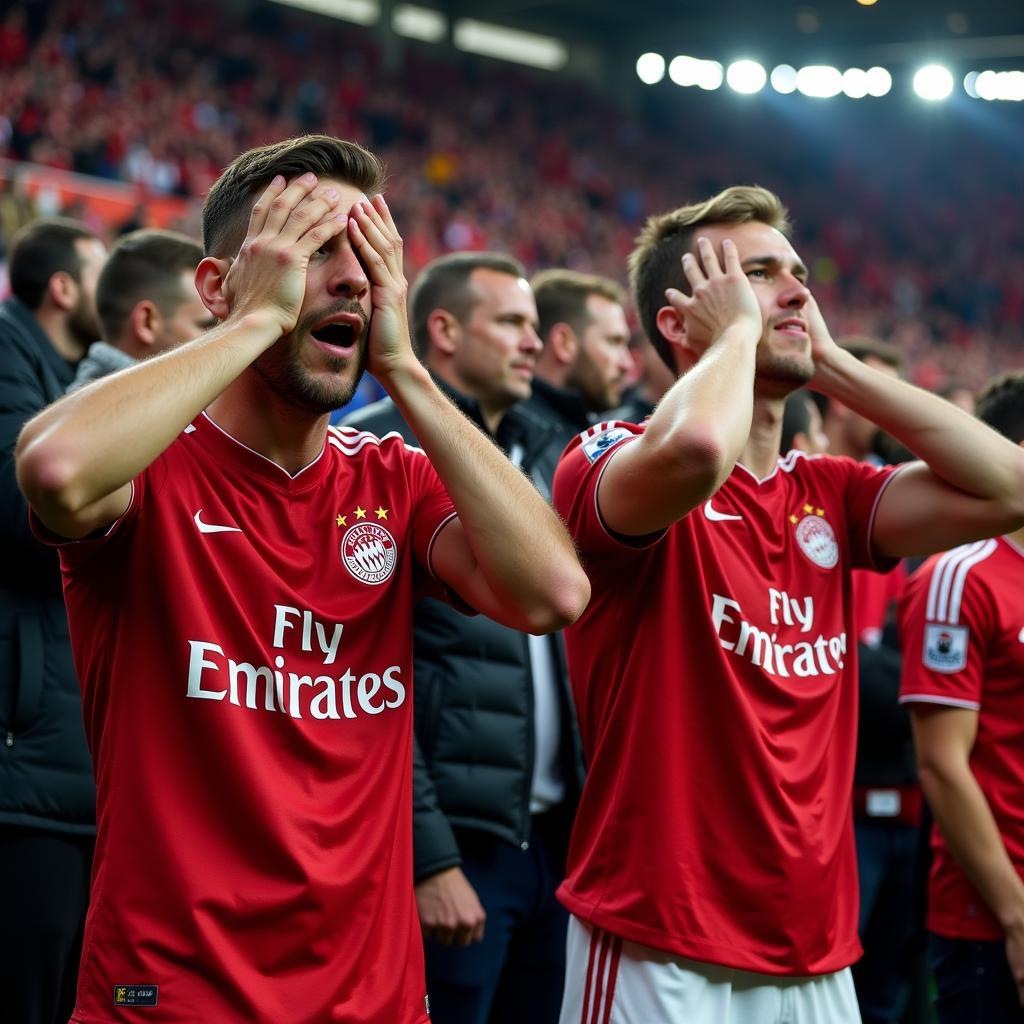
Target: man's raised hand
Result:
[[375, 238], [289, 223], [721, 297]]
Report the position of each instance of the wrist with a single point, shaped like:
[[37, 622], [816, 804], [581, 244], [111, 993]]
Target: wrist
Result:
[[258, 323], [831, 369], [399, 375]]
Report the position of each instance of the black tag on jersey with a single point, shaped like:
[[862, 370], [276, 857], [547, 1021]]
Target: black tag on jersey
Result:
[[136, 995]]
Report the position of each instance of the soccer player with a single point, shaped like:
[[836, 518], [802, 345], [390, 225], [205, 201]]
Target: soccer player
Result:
[[240, 581], [711, 871], [962, 629]]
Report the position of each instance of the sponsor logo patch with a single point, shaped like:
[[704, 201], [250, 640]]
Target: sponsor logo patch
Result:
[[945, 647], [369, 553], [595, 447], [817, 540], [136, 995]]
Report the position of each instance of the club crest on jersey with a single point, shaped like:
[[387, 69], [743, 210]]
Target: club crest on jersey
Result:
[[369, 553], [602, 443], [945, 647], [816, 538]]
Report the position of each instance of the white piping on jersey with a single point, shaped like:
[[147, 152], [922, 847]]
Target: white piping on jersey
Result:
[[1016, 547], [430, 547], [787, 463], [190, 429], [946, 589], [291, 476], [930, 698], [352, 441]]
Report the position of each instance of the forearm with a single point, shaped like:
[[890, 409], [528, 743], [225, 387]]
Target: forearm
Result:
[[92, 442], [958, 448], [520, 546], [966, 822]]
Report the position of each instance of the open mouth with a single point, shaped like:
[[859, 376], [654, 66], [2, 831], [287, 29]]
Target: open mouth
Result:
[[339, 335]]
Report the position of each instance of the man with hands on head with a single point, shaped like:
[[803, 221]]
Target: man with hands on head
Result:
[[711, 874], [240, 581]]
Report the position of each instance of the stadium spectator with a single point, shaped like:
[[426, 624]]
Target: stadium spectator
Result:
[[497, 766], [239, 582], [651, 379], [47, 800], [712, 872], [801, 425], [962, 627], [585, 363], [147, 302]]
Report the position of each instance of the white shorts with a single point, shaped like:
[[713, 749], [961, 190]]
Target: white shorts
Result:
[[609, 980]]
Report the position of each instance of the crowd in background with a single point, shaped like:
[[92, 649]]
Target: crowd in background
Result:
[[911, 242]]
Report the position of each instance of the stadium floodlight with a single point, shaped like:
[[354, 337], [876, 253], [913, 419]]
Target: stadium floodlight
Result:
[[490, 40], [688, 71], [650, 68], [746, 76], [422, 23], [998, 85], [784, 79], [970, 85], [362, 12], [933, 82], [819, 80], [855, 83], [879, 81]]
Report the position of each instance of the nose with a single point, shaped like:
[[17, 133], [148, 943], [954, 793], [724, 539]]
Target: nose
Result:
[[530, 341], [625, 360], [794, 295], [347, 278]]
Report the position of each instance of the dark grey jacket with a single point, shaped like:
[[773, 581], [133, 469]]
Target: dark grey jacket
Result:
[[473, 693], [45, 770]]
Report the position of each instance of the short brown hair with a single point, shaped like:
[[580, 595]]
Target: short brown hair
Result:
[[1001, 405], [562, 297], [229, 202], [444, 284], [41, 249], [863, 348], [145, 264], [654, 265]]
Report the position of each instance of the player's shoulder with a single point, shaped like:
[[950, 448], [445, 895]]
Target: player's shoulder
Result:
[[592, 444], [945, 577]]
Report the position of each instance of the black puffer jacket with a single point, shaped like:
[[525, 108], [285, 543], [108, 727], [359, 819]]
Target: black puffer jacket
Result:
[[473, 692], [45, 770]]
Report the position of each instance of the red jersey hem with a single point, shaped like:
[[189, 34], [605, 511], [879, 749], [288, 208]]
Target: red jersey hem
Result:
[[724, 956]]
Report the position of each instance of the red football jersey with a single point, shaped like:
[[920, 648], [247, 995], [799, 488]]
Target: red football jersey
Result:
[[962, 630], [717, 696], [874, 597], [244, 643]]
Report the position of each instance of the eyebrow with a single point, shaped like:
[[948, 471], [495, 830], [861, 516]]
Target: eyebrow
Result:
[[799, 270]]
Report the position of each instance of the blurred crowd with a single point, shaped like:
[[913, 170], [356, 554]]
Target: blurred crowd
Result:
[[907, 238]]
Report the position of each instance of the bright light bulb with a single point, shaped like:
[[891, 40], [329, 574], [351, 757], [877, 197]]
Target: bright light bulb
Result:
[[933, 82], [650, 68], [746, 76]]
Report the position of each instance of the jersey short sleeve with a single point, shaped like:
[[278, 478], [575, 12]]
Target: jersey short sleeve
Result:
[[434, 507], [946, 618], [578, 477], [864, 485]]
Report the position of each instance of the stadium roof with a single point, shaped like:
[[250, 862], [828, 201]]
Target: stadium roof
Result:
[[797, 31]]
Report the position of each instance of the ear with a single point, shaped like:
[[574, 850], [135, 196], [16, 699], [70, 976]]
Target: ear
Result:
[[801, 442], [211, 275], [144, 321], [563, 344], [673, 329], [63, 290], [444, 331]]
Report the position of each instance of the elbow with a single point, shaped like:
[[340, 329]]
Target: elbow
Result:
[[46, 477], [703, 458], [565, 603]]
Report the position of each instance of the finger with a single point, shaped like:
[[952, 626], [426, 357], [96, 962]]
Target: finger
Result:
[[376, 234], [320, 233], [281, 207], [708, 258], [375, 264], [443, 936], [693, 271], [381, 206], [679, 300], [731, 257], [478, 931], [258, 217], [308, 212]]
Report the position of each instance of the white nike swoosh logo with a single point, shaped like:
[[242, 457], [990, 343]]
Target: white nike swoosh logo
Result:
[[718, 517], [211, 528]]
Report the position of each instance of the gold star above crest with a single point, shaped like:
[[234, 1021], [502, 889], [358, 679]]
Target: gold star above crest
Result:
[[808, 509], [360, 513], [794, 520], [342, 520], [820, 511], [382, 512]]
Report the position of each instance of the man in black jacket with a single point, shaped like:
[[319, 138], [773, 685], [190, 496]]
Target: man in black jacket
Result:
[[47, 800], [584, 367], [497, 765]]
